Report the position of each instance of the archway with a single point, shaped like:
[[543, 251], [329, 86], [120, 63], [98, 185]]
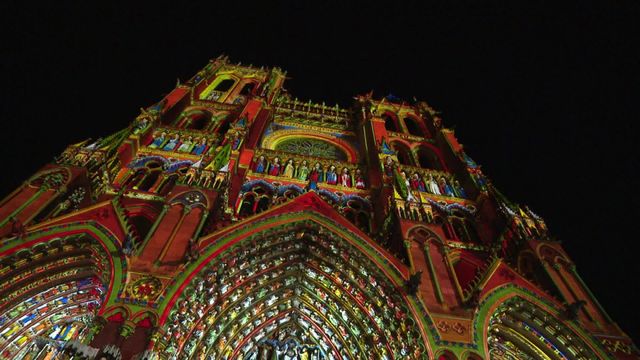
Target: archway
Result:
[[52, 290], [517, 324], [194, 118], [335, 147], [518, 329], [403, 152], [299, 287], [428, 159], [390, 122], [414, 127]]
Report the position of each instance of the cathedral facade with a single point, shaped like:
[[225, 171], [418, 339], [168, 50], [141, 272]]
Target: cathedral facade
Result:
[[232, 220]]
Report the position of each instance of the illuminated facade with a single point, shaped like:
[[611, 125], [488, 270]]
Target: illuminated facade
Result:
[[234, 221]]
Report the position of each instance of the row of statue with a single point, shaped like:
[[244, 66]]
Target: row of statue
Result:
[[47, 314], [302, 171], [433, 184], [187, 144]]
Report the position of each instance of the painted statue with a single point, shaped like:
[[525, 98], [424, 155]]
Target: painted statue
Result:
[[385, 148], [345, 178], [414, 182], [289, 169], [303, 171], [158, 140], [260, 165], [403, 176], [480, 180], [433, 186], [421, 185], [140, 125], [359, 180], [237, 141], [211, 145], [448, 189], [445, 189], [172, 144], [186, 145], [388, 166], [332, 177], [200, 147], [316, 175], [274, 169]]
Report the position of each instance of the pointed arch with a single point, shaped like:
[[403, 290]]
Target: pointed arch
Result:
[[140, 317], [301, 242], [71, 272], [415, 126], [391, 122], [441, 286], [272, 141], [403, 152], [220, 87], [469, 355], [429, 157], [445, 355], [194, 118], [567, 282], [515, 304]]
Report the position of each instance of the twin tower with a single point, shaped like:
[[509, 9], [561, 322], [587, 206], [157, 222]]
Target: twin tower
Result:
[[232, 220]]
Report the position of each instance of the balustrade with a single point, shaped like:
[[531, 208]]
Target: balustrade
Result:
[[310, 113]]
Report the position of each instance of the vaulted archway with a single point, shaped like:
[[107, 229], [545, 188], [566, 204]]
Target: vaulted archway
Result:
[[52, 289], [516, 324], [296, 285]]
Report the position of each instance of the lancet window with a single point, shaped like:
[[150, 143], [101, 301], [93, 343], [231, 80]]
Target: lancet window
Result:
[[428, 159], [390, 123], [463, 228], [403, 152], [256, 200]]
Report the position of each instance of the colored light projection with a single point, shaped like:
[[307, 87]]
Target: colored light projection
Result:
[[44, 322], [231, 220], [311, 147], [308, 290], [520, 330]]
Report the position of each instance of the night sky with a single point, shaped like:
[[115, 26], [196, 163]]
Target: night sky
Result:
[[545, 98]]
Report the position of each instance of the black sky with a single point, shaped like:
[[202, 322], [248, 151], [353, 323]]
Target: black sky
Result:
[[545, 97]]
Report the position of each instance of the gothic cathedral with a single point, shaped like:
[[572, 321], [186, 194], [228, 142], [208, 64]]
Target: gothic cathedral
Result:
[[232, 220]]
